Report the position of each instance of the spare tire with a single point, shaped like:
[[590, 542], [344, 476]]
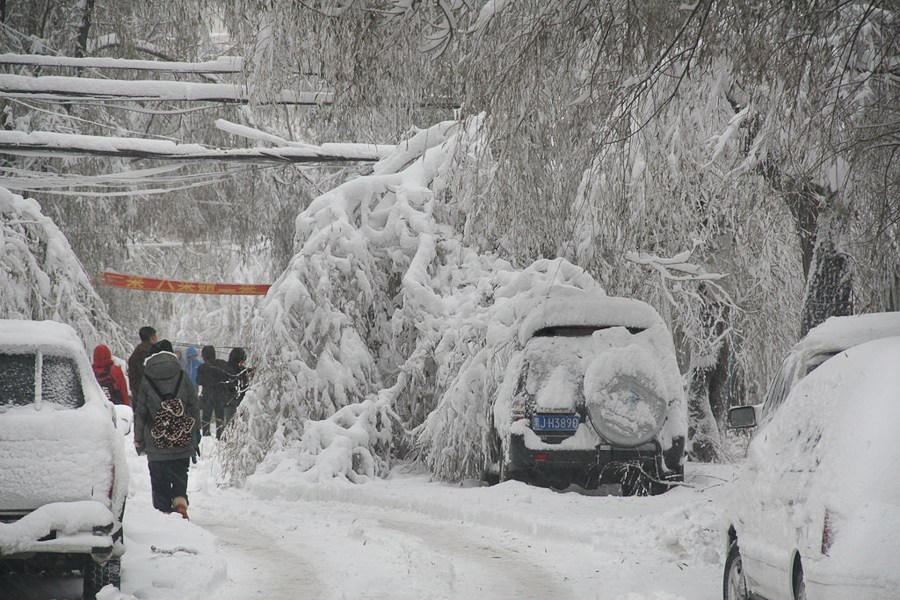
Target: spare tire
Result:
[[625, 396]]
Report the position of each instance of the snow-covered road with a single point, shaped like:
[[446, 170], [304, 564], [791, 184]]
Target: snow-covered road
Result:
[[409, 538]]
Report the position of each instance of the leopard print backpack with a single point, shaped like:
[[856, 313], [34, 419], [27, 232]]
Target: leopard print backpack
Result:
[[172, 426]]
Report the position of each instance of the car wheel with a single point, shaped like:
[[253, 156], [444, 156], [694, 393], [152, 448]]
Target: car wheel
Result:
[[97, 575], [734, 586], [799, 586]]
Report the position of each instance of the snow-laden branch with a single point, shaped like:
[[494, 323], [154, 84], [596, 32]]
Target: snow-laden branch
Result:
[[43, 143], [223, 64], [380, 150], [676, 269], [62, 88], [679, 263], [41, 278]]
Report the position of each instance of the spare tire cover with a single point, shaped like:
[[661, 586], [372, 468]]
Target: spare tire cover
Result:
[[625, 394]]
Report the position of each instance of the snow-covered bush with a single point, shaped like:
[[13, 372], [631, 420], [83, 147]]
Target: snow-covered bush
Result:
[[41, 278], [385, 307]]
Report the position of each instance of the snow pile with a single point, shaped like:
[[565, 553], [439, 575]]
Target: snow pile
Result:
[[354, 442], [384, 302], [41, 277]]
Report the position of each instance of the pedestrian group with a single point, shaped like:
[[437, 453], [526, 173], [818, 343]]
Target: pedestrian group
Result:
[[176, 401]]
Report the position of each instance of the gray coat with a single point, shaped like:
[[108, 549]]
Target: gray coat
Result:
[[163, 368]]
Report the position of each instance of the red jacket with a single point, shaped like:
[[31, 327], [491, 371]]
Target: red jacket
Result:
[[103, 363]]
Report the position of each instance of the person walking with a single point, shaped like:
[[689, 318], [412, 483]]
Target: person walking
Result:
[[238, 382], [192, 364], [213, 377], [166, 423], [136, 361], [110, 377]]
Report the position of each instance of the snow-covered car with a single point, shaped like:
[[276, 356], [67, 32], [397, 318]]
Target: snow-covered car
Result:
[[815, 513], [821, 343], [593, 397], [63, 473]]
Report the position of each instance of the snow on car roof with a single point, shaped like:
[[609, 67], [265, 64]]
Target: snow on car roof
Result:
[[578, 308], [23, 334], [840, 333]]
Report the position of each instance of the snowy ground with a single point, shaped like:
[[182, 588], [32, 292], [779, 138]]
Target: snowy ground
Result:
[[407, 537]]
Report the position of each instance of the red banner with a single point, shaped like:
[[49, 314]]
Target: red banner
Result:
[[149, 284]]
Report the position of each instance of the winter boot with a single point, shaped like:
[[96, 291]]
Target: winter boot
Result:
[[180, 505]]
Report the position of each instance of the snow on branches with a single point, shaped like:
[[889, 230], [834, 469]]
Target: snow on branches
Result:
[[386, 336], [41, 277]]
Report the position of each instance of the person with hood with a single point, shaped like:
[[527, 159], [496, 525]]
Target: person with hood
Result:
[[213, 377], [166, 422], [238, 381], [192, 364], [110, 377], [136, 361]]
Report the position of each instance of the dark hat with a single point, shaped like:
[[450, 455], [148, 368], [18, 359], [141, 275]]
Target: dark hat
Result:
[[162, 346]]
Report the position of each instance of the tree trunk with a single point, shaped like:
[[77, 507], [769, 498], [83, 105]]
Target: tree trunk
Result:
[[84, 29], [829, 282]]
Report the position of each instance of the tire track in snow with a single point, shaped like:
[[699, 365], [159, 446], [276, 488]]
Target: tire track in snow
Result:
[[258, 566], [487, 570]]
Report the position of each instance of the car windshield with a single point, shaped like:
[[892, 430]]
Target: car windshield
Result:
[[60, 382]]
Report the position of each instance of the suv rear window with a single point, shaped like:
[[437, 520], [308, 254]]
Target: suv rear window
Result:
[[578, 330], [60, 381]]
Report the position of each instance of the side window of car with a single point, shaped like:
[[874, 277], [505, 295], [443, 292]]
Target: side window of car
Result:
[[16, 380], [60, 382]]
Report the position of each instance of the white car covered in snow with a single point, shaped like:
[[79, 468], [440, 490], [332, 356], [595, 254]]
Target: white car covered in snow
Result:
[[821, 343], [63, 474], [816, 511], [592, 397]]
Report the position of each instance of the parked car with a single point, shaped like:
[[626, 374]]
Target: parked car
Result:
[[821, 343], [63, 474], [593, 397], [815, 513]]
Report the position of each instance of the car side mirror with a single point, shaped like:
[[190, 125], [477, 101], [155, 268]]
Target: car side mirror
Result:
[[125, 417], [742, 417]]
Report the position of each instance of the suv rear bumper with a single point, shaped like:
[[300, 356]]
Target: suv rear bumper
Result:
[[82, 527], [595, 464]]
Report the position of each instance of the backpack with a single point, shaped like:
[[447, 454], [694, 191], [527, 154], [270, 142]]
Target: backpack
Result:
[[172, 426], [108, 385]]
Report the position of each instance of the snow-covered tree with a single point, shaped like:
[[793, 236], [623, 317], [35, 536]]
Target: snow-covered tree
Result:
[[385, 309], [42, 278]]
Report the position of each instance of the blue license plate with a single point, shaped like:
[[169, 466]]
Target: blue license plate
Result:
[[554, 422]]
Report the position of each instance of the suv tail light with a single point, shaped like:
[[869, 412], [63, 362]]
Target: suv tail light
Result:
[[517, 410], [828, 531]]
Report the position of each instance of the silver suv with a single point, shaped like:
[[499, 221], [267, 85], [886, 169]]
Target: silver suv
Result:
[[63, 474]]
